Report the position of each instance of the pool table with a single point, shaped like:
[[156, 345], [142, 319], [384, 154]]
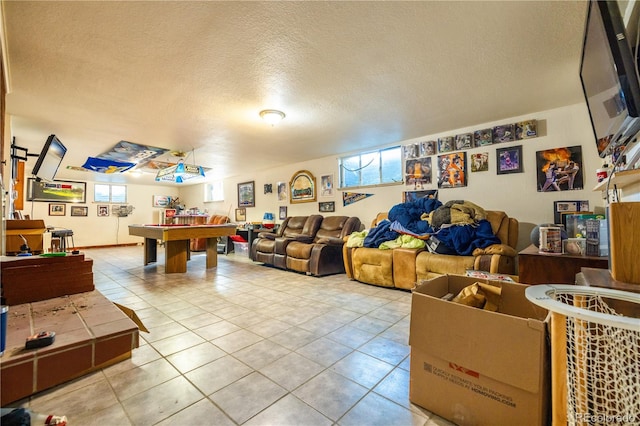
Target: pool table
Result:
[[176, 239]]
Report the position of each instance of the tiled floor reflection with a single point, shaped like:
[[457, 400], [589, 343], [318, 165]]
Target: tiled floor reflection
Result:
[[244, 344]]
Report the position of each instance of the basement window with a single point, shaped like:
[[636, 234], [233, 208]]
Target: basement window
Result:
[[381, 167], [109, 193]]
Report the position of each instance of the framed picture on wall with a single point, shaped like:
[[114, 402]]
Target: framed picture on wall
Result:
[[57, 209], [302, 187], [103, 210], [241, 215], [161, 201], [56, 191], [326, 185], [509, 160], [247, 194], [560, 169], [452, 170], [327, 206], [282, 213], [79, 211]]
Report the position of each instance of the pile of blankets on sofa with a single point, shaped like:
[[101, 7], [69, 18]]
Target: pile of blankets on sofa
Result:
[[456, 227]]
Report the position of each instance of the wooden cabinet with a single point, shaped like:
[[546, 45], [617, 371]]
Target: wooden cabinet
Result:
[[546, 268]]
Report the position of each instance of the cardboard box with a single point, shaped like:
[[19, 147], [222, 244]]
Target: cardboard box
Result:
[[31, 230], [476, 367]]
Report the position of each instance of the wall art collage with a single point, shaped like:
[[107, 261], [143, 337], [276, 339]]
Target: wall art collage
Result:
[[451, 162]]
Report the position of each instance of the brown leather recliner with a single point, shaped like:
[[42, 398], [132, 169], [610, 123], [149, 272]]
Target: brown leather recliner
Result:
[[270, 248], [323, 255]]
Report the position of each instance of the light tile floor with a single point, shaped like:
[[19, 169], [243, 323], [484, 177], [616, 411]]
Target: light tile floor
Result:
[[245, 344]]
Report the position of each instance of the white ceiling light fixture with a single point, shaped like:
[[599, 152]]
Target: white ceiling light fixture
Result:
[[272, 116]]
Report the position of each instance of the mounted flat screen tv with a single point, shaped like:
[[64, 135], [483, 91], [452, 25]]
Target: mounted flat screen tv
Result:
[[609, 78], [49, 159]]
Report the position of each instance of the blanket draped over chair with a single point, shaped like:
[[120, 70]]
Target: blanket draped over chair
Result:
[[460, 225]]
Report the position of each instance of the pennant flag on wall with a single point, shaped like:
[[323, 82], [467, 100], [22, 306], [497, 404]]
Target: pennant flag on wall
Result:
[[353, 197]]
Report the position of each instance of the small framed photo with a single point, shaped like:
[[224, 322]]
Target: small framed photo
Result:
[[241, 215], [509, 160], [327, 206], [56, 209], [282, 214], [504, 133], [445, 144], [526, 129], [103, 210], [483, 137], [79, 211], [326, 185], [480, 162]]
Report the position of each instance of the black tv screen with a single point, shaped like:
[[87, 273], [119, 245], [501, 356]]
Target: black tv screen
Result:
[[49, 159], [609, 79]]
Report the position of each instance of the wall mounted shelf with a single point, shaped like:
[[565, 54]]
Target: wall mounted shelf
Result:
[[620, 179]]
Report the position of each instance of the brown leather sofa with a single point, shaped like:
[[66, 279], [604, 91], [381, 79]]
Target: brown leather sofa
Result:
[[404, 267], [271, 248], [323, 255]]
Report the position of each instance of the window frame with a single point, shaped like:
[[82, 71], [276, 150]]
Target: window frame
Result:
[[379, 152], [110, 199]]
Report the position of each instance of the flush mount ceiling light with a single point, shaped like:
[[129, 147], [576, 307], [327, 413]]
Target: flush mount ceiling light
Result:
[[272, 116]]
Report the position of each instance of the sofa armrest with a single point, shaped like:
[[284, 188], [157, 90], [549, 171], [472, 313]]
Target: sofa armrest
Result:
[[267, 235], [307, 239], [404, 267], [495, 264], [326, 260], [332, 241], [281, 245], [501, 249]]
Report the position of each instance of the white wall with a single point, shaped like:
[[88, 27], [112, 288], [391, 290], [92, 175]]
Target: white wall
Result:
[[516, 194]]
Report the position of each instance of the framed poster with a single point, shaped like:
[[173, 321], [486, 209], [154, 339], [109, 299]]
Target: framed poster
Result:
[[56, 209], [452, 170], [326, 185], [247, 194], [241, 215], [418, 172], [79, 211], [103, 210], [302, 187], [282, 191], [509, 160], [559, 169], [327, 206], [57, 191], [282, 213]]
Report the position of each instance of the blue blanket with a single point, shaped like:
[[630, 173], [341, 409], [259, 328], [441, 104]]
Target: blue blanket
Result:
[[464, 239], [461, 239]]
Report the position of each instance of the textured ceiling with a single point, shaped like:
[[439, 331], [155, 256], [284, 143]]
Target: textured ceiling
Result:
[[193, 76]]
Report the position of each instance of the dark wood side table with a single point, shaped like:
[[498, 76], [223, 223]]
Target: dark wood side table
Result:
[[543, 268]]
